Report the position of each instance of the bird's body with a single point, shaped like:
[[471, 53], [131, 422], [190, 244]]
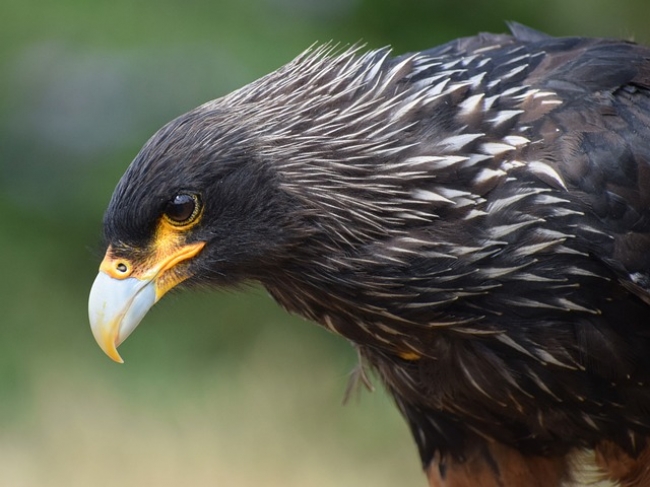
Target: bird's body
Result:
[[474, 218]]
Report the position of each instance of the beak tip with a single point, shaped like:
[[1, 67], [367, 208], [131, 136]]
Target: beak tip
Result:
[[108, 347], [116, 357]]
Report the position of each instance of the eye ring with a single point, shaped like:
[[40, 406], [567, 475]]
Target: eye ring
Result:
[[183, 209]]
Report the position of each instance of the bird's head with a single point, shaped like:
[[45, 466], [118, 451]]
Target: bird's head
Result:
[[196, 205]]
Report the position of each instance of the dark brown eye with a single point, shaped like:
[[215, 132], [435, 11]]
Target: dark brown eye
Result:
[[182, 209]]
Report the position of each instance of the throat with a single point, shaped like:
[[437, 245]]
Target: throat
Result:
[[349, 310]]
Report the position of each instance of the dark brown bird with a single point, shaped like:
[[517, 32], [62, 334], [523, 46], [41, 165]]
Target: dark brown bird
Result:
[[474, 218]]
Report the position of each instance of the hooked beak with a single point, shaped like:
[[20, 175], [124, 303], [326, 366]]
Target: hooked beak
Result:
[[123, 292]]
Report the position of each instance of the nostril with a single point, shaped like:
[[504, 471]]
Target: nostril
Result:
[[121, 267]]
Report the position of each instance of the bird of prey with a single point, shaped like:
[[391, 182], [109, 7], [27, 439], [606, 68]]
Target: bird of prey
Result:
[[473, 218]]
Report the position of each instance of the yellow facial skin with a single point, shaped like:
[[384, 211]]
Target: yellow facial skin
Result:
[[124, 290]]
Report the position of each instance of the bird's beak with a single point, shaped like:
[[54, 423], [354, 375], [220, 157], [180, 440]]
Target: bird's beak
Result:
[[124, 291]]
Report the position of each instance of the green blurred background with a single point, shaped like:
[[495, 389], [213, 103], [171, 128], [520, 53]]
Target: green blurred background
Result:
[[218, 389]]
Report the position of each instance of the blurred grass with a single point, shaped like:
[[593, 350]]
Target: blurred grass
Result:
[[218, 389], [226, 425]]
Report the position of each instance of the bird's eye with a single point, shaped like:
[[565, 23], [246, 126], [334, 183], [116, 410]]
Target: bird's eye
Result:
[[183, 209]]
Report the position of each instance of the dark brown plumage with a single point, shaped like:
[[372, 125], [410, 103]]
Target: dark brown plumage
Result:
[[475, 218]]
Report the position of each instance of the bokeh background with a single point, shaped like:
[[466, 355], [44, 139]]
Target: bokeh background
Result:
[[218, 389]]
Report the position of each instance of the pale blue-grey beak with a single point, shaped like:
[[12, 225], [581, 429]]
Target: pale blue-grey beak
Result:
[[116, 307], [124, 291]]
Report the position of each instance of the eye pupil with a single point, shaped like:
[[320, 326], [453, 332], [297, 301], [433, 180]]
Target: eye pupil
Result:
[[183, 208]]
